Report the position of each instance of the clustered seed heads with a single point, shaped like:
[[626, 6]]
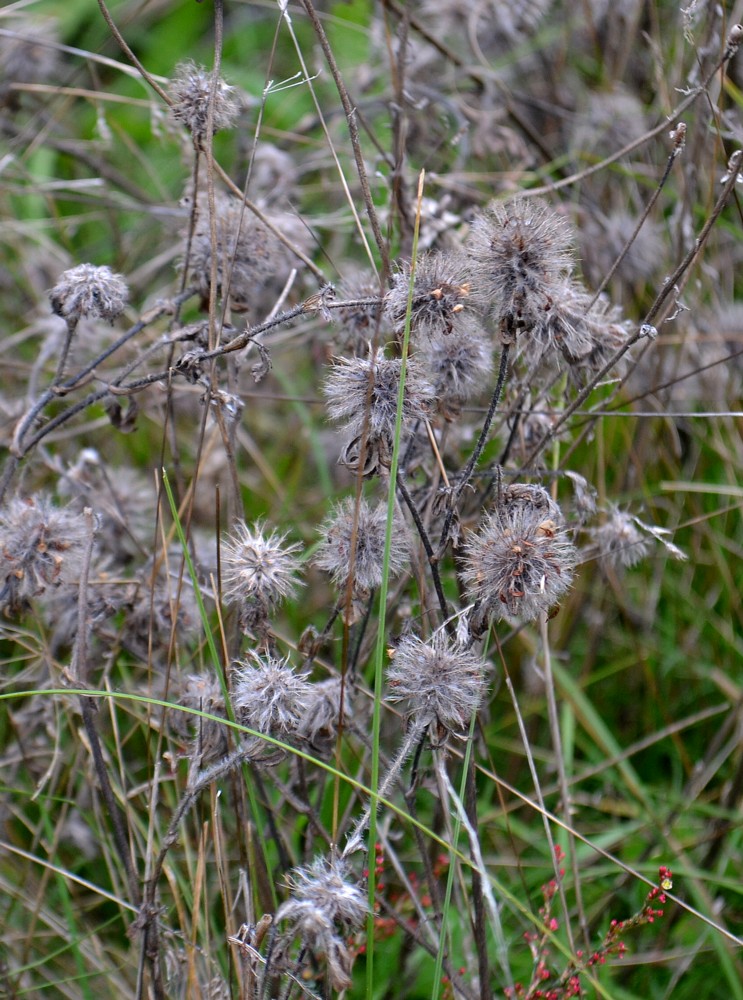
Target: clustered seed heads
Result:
[[325, 906], [40, 546], [259, 572], [439, 681], [519, 563], [190, 91], [362, 395], [353, 546], [88, 290]]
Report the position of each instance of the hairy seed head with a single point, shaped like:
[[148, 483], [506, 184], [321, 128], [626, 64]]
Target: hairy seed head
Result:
[[353, 545], [324, 907], [519, 563], [252, 263], [362, 395], [325, 885], [258, 567], [441, 295], [439, 681], [190, 90], [270, 696], [40, 546], [620, 541], [87, 290], [519, 251], [459, 366]]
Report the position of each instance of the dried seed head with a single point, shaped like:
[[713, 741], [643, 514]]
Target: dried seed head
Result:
[[459, 366], [359, 322], [620, 541], [270, 697], [87, 290], [325, 884], [586, 335], [440, 681], [190, 90], [324, 907], [519, 563], [252, 263], [520, 252], [258, 570], [40, 546], [353, 546], [362, 395], [441, 295]]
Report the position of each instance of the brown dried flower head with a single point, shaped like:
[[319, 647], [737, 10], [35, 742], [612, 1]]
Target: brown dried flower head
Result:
[[441, 295]]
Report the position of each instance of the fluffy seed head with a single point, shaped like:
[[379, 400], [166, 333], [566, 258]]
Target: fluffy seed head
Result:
[[190, 90], [324, 907], [325, 884], [441, 295], [519, 252], [439, 681], [87, 290], [252, 263], [258, 567], [620, 541], [362, 395], [459, 366], [585, 335], [40, 546], [270, 696], [353, 546], [519, 563]]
